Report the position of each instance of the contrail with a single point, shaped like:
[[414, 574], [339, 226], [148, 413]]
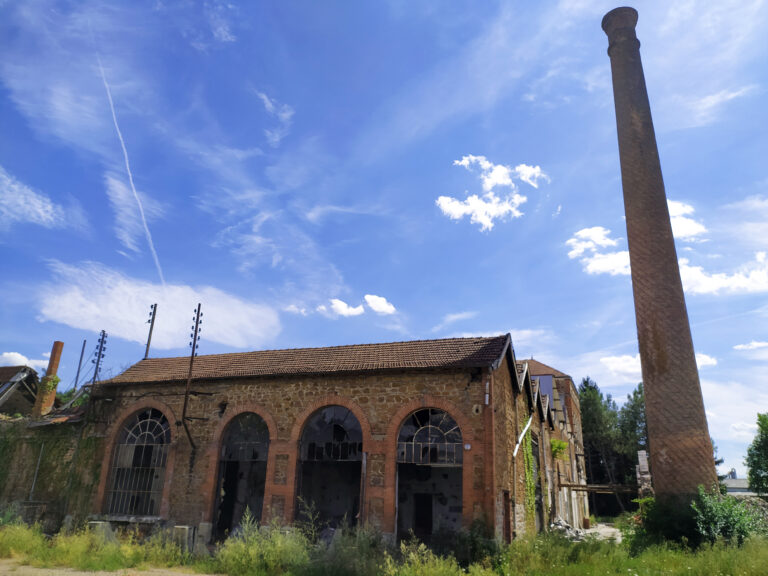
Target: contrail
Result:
[[130, 175]]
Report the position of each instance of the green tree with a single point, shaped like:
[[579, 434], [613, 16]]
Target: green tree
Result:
[[599, 425], [632, 432], [757, 457]]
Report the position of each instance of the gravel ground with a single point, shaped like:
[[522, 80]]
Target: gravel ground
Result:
[[9, 566], [605, 532]]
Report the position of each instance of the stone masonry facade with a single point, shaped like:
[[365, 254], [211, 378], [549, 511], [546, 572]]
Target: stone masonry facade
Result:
[[490, 399]]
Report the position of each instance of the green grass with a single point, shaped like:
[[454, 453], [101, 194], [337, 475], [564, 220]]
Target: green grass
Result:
[[274, 551]]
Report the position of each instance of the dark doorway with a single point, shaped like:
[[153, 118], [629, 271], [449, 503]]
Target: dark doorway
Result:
[[242, 472], [331, 454], [429, 475], [422, 514]]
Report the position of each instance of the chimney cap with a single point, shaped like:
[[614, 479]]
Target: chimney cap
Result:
[[624, 17]]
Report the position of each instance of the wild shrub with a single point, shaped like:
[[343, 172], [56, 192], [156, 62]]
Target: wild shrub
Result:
[[351, 552], [89, 550], [722, 517], [17, 540], [468, 546], [268, 551], [418, 560]]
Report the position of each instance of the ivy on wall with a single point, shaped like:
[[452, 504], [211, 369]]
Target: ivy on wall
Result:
[[530, 479]]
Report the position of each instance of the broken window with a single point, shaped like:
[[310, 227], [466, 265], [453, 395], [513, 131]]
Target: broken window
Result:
[[330, 466], [138, 465], [429, 474], [242, 471]]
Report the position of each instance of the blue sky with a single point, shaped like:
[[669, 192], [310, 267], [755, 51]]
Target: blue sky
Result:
[[333, 173]]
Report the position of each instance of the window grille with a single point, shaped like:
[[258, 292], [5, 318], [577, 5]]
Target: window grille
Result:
[[138, 465], [332, 433], [430, 437]]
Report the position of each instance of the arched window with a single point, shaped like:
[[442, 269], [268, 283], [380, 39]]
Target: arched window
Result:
[[330, 460], [138, 465], [242, 471], [429, 474], [332, 433], [430, 436]]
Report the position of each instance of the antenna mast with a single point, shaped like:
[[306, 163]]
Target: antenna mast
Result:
[[195, 335], [151, 322]]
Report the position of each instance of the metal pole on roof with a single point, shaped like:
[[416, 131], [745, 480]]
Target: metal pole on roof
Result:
[[99, 355], [80, 364], [151, 322], [193, 344]]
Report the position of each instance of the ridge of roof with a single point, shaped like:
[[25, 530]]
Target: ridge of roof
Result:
[[415, 354], [537, 368]]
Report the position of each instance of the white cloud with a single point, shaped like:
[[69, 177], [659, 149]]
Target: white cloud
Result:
[[449, 319], [341, 308], [493, 175], [16, 359], [20, 203], [750, 278], [589, 239], [283, 113], [293, 309], [684, 227], [753, 345], [585, 245], [705, 360], [379, 304], [484, 210], [93, 297], [624, 366], [128, 224]]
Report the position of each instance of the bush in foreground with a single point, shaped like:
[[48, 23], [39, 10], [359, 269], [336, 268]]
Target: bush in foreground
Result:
[[274, 550]]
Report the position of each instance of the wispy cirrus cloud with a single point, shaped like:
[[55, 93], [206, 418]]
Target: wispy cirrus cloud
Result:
[[128, 227], [452, 318], [284, 115], [91, 296], [20, 203], [485, 209]]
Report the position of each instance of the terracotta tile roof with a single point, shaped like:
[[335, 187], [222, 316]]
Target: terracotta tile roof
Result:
[[418, 354], [536, 368], [8, 372]]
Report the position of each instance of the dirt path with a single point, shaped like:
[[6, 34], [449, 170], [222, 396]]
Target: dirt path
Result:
[[605, 532], [9, 566]]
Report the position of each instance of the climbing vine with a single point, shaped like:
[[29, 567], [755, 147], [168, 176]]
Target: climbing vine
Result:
[[530, 480], [49, 383], [559, 449]]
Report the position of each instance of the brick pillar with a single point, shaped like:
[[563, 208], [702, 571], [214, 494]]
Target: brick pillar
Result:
[[679, 442], [46, 393]]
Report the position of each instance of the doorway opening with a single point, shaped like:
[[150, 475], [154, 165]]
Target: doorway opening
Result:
[[242, 472], [429, 475], [330, 468]]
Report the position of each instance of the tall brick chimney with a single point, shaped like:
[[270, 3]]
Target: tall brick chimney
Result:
[[46, 390], [678, 438]]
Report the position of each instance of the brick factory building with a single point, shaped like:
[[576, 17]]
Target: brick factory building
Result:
[[423, 436]]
